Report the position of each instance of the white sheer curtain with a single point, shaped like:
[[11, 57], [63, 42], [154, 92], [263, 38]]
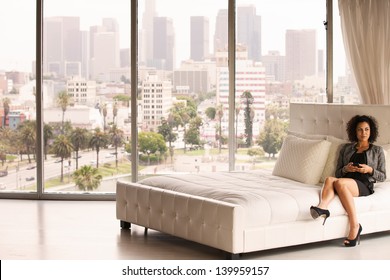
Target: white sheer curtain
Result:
[[365, 27]]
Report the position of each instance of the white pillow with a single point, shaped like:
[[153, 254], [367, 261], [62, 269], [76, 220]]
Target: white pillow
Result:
[[331, 162], [307, 136], [302, 159]]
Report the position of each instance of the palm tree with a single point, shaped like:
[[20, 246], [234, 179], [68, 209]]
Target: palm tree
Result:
[[28, 136], [249, 114], [47, 135], [237, 111], [87, 178], [114, 112], [78, 137], [62, 148], [63, 100], [219, 114], [116, 136], [98, 140], [6, 103], [104, 116]]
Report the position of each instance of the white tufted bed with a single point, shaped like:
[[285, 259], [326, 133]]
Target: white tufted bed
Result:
[[240, 212]]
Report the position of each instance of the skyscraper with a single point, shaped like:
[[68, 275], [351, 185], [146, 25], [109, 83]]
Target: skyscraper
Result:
[[301, 54], [62, 44], [248, 28], [274, 64], [163, 44], [105, 51], [145, 43], [249, 31], [199, 38], [221, 31]]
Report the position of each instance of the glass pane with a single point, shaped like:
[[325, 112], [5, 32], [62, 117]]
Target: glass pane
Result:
[[280, 58], [178, 46], [344, 85], [17, 99], [86, 91]]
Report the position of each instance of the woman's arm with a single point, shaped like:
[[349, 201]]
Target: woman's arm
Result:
[[379, 173], [340, 162]]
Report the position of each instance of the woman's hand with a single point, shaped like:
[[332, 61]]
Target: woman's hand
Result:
[[361, 168], [364, 168]]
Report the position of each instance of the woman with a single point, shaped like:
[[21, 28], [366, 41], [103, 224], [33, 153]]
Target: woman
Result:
[[359, 166]]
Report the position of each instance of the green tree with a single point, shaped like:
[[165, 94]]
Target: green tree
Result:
[[104, 110], [211, 113], [151, 142], [28, 136], [166, 130], [182, 113], [62, 148], [271, 138], [114, 112], [116, 139], [47, 136], [6, 107], [79, 138], [87, 178], [125, 99], [98, 140], [219, 113], [63, 100], [193, 135], [276, 112], [248, 116]]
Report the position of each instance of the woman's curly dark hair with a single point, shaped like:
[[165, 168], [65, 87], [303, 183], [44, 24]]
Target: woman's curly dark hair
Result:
[[353, 123]]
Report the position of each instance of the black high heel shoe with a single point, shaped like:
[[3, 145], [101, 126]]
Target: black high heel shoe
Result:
[[352, 243], [316, 212]]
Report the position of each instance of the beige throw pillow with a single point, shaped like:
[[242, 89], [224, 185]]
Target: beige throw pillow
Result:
[[301, 159]]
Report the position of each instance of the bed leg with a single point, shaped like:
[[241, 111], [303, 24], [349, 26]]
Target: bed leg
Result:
[[146, 231], [125, 225], [231, 256]]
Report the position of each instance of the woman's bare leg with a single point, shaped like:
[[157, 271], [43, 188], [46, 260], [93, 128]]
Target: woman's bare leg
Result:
[[347, 189], [327, 192]]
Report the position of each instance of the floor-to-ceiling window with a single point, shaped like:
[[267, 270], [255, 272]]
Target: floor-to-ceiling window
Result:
[[280, 58], [17, 100], [183, 88], [86, 89]]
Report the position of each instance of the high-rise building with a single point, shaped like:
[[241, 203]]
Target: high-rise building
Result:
[[221, 31], [250, 76], [105, 52], [163, 44], [199, 38], [156, 101], [301, 54], [195, 76], [61, 44], [249, 31], [145, 41], [81, 91], [85, 57], [275, 65], [320, 60]]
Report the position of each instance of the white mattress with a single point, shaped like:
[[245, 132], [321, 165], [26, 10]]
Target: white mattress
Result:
[[267, 199]]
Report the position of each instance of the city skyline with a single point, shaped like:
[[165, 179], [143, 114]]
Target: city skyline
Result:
[[16, 56]]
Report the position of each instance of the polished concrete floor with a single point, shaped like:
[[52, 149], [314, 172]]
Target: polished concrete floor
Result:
[[88, 230]]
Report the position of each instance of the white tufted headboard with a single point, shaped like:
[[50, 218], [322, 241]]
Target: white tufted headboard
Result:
[[331, 119]]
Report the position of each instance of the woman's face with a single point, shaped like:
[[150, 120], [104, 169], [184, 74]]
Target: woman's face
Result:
[[363, 131]]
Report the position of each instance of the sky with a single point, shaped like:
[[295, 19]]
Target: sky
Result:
[[19, 49]]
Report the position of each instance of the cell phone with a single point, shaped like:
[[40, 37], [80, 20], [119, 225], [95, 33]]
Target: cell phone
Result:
[[356, 164]]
